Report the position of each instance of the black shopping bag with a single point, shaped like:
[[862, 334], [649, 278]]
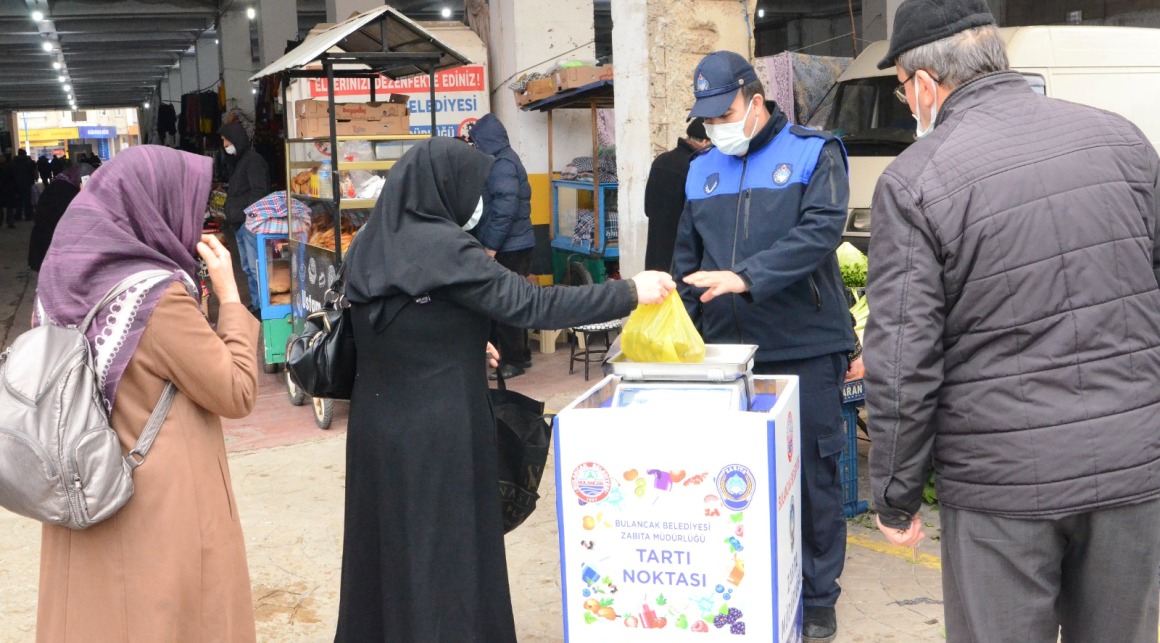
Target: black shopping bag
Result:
[[523, 435]]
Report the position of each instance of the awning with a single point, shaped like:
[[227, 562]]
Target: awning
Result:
[[365, 34]]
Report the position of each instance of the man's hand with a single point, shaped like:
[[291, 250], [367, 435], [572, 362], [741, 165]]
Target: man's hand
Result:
[[909, 537], [716, 283], [492, 356], [857, 371]]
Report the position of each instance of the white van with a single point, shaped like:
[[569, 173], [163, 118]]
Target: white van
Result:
[[1113, 68]]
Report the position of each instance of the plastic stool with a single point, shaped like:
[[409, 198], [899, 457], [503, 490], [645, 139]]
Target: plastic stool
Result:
[[588, 354]]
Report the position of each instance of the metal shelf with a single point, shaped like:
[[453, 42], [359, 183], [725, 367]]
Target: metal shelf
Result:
[[385, 164]]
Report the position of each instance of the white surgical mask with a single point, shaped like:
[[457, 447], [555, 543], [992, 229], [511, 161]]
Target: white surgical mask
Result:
[[474, 220], [230, 149], [918, 131], [731, 138]]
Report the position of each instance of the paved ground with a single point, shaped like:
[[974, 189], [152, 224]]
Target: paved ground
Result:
[[289, 479]]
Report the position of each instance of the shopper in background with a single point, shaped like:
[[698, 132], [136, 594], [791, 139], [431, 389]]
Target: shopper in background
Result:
[[51, 207], [24, 177], [249, 182], [664, 195], [506, 231], [171, 564], [57, 164], [1014, 257], [44, 168], [423, 550], [756, 248], [7, 191]]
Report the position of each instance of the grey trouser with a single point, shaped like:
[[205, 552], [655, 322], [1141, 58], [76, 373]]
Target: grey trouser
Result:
[[1086, 578]]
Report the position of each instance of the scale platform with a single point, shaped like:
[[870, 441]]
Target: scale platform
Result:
[[723, 363], [720, 382]]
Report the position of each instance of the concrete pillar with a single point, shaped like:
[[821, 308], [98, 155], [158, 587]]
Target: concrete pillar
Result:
[[188, 72], [277, 23], [878, 19], [237, 58], [654, 89], [174, 82], [339, 10], [207, 61]]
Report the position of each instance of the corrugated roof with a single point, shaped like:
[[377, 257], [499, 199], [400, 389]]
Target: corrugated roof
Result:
[[364, 34]]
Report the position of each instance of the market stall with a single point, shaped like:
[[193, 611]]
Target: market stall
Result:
[[338, 155]]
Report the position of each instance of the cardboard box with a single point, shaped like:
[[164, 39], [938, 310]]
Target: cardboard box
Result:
[[320, 127], [309, 108], [537, 90], [573, 77], [701, 506]]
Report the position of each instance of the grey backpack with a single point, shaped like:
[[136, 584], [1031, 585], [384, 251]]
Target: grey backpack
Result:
[[60, 460]]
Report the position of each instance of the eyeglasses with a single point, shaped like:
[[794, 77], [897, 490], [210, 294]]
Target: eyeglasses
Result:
[[900, 91]]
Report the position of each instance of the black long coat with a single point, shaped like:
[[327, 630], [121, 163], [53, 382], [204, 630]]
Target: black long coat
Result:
[[423, 558]]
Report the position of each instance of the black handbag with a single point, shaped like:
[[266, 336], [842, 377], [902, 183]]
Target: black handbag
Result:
[[321, 359], [523, 435]]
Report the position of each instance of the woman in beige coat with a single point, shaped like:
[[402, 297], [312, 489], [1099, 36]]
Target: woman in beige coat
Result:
[[171, 565]]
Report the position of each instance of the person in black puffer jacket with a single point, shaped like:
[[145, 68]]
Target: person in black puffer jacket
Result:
[[506, 230], [249, 182]]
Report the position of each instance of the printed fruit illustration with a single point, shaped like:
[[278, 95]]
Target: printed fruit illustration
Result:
[[589, 618], [631, 474], [677, 475], [592, 605], [607, 612], [639, 492], [737, 628], [699, 626], [589, 522], [733, 615], [662, 621], [682, 622], [720, 621], [630, 621], [740, 531]]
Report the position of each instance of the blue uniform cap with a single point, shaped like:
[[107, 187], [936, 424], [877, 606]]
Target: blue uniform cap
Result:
[[716, 81]]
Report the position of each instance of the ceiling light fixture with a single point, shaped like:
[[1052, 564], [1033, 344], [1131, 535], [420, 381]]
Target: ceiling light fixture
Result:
[[68, 88], [446, 13], [146, 104], [38, 16], [250, 13], [60, 79], [46, 45], [217, 41], [761, 13], [56, 65]]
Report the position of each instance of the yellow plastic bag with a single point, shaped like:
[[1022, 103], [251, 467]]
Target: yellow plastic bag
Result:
[[662, 333]]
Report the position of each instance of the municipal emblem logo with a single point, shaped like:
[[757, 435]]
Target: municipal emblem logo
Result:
[[735, 485], [782, 173], [712, 182], [701, 85], [591, 482]]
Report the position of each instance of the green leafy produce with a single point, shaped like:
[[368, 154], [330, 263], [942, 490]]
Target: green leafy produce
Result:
[[853, 265], [861, 312]]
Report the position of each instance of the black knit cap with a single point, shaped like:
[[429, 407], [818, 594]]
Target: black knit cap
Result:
[[696, 129], [921, 22]]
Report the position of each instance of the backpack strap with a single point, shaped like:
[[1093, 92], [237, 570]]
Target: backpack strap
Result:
[[136, 457], [115, 291]]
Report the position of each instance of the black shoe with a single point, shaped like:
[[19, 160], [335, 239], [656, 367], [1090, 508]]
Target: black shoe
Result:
[[819, 625], [508, 370]]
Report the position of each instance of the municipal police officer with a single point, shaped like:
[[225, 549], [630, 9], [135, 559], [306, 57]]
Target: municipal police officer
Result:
[[763, 215]]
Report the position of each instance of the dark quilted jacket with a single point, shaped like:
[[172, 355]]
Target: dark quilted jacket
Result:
[[1015, 312]]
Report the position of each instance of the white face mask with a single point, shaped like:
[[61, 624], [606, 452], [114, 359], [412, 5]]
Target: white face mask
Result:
[[918, 131], [474, 220], [731, 138], [230, 149]]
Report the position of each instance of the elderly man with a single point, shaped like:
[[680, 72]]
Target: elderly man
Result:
[[1016, 335]]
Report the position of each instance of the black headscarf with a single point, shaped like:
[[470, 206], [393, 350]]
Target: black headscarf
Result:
[[414, 241]]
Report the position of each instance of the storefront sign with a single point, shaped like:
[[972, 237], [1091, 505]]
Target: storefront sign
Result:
[[461, 97], [97, 132], [51, 134], [681, 520]]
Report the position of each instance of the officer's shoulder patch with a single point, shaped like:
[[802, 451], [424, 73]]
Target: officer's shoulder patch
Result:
[[808, 132]]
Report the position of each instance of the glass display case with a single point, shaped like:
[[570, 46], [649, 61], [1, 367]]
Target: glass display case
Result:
[[361, 165]]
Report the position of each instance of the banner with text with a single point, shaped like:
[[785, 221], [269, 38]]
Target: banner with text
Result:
[[461, 97]]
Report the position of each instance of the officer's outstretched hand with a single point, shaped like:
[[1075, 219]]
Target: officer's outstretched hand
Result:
[[716, 283]]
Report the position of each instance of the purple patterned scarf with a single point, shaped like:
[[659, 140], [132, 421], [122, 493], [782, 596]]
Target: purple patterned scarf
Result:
[[142, 211]]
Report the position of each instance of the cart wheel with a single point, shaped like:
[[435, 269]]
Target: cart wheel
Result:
[[323, 412], [270, 368], [293, 391]]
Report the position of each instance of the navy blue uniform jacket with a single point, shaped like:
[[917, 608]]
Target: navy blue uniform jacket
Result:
[[775, 217]]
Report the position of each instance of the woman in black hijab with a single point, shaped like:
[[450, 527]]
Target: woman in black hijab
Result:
[[423, 557]]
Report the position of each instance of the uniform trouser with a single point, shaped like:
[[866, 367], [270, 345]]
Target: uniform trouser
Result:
[[822, 437], [23, 203], [1085, 578], [512, 342]]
